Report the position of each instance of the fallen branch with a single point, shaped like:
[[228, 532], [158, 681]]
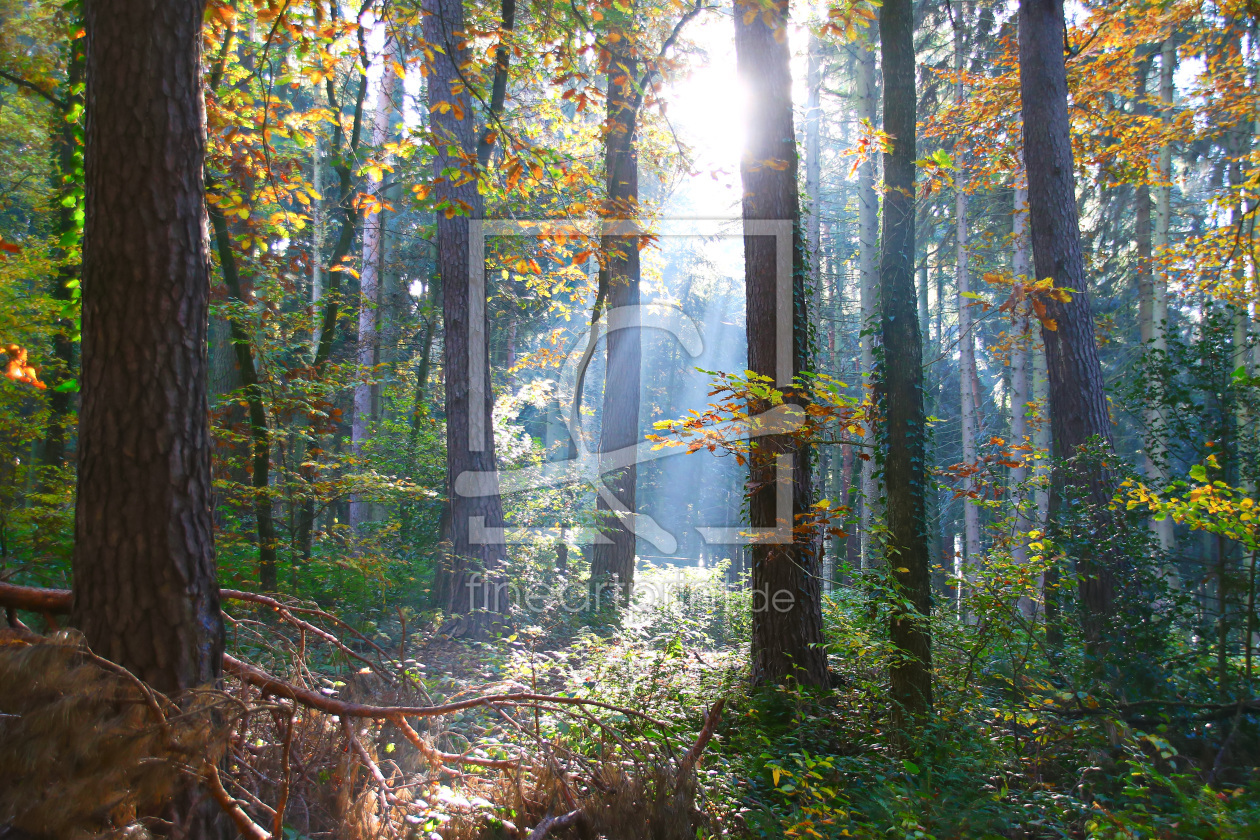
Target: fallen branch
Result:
[[692, 758], [555, 823], [247, 827], [313, 699]]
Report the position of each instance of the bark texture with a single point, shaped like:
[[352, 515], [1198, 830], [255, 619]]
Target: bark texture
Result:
[[905, 468], [145, 593], [462, 583], [1078, 404], [786, 643]]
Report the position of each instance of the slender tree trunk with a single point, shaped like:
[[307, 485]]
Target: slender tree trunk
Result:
[[813, 242], [868, 248], [905, 467], [332, 296], [1078, 404], [259, 430], [1021, 379], [61, 401], [370, 284], [613, 556], [966, 334], [317, 243], [787, 633], [1155, 298], [468, 581]]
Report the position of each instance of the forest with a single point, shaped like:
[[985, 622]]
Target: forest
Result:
[[629, 419]]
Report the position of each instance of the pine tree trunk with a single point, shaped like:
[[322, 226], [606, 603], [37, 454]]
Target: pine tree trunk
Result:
[[468, 449], [787, 633], [1078, 404], [905, 467], [613, 557]]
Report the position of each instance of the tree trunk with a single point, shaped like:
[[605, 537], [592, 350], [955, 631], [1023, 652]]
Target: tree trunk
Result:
[[259, 431], [868, 248], [787, 629], [469, 447], [1078, 404], [317, 244], [327, 323], [1021, 378], [966, 333], [370, 283], [905, 467], [613, 555], [61, 401], [1153, 297]]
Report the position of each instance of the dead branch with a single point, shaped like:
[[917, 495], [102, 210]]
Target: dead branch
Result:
[[247, 827], [554, 823], [692, 757], [313, 699]]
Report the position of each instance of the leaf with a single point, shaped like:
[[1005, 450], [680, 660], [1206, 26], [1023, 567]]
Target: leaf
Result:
[[1198, 472]]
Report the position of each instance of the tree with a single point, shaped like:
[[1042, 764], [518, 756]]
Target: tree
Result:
[[370, 297], [967, 379], [145, 589], [469, 447], [145, 593], [786, 643], [613, 556], [868, 250], [901, 385], [1078, 404]]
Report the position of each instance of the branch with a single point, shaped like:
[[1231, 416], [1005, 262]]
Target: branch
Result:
[[692, 758], [555, 823], [247, 827], [314, 700], [498, 91], [34, 88]]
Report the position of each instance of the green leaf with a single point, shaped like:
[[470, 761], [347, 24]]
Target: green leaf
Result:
[[1198, 472]]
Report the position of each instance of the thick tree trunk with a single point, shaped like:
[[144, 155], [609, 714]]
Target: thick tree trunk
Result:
[[787, 628], [469, 446], [868, 273], [905, 468], [613, 556], [1078, 404], [145, 593], [370, 297]]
